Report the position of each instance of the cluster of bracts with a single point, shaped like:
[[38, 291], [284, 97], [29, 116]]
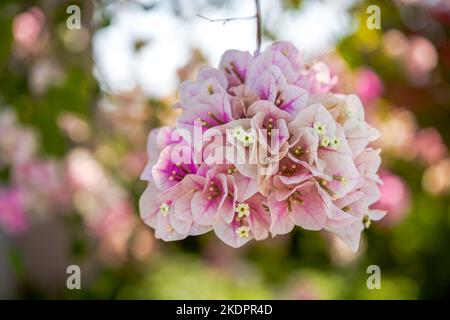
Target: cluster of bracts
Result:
[[261, 146]]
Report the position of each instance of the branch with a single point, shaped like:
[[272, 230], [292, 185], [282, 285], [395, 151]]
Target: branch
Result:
[[225, 20], [258, 26], [256, 16]]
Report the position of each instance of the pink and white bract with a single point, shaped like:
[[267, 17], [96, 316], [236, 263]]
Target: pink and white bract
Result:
[[262, 146]]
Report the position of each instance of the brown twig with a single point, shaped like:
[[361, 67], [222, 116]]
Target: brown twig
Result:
[[225, 20], [258, 26], [257, 16]]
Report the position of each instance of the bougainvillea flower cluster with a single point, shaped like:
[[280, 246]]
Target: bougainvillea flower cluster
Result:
[[262, 146]]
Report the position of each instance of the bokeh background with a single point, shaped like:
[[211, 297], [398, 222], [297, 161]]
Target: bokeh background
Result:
[[76, 107]]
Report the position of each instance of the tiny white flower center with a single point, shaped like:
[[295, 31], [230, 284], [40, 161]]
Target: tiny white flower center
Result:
[[320, 127], [325, 142], [243, 232], [248, 138], [164, 209], [237, 132], [242, 210], [335, 142]]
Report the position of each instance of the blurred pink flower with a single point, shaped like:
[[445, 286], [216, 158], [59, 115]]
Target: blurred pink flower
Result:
[[430, 146], [420, 60], [114, 227], [12, 152], [12, 216], [368, 85], [395, 198], [27, 27], [113, 219], [43, 185], [438, 5], [107, 212]]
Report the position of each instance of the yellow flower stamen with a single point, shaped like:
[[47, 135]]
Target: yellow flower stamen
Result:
[[366, 221]]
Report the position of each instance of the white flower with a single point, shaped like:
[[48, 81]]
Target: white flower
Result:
[[335, 142], [325, 141], [238, 132], [243, 232], [242, 209], [164, 209], [320, 127]]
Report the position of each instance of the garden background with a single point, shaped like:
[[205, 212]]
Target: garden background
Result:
[[76, 107]]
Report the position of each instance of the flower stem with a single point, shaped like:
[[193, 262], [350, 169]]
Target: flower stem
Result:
[[258, 26]]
